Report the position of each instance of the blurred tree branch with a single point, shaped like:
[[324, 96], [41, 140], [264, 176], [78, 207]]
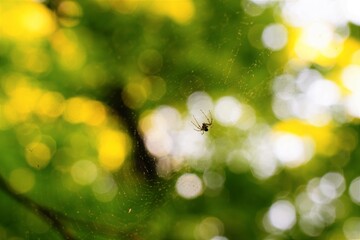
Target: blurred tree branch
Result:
[[48, 215], [144, 163], [61, 222]]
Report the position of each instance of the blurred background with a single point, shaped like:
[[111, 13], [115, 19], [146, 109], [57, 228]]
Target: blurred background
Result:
[[97, 100]]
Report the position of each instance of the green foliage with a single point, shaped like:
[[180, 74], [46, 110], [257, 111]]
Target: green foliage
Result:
[[75, 102]]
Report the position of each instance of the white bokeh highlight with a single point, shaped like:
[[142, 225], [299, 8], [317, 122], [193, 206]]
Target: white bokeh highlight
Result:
[[351, 228], [282, 215], [332, 185], [354, 190], [307, 96], [318, 35], [350, 79], [84, 172], [352, 9], [258, 152], [228, 111], [189, 186], [318, 203], [275, 37], [292, 150], [199, 101], [302, 13]]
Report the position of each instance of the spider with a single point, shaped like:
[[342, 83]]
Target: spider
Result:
[[204, 127]]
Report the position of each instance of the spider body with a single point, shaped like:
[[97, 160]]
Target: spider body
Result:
[[204, 127]]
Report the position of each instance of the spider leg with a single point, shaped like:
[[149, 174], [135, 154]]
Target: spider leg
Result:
[[197, 127], [209, 120], [197, 123]]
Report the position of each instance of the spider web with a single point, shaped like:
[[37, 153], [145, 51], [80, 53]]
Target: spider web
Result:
[[123, 204]]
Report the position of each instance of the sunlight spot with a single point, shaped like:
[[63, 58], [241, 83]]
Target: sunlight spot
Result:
[[97, 114], [113, 148], [350, 78], [352, 104], [219, 238], [158, 87], [39, 149], [23, 98], [261, 2], [322, 192], [179, 11], [332, 185], [351, 228], [172, 138], [316, 210], [303, 202], [189, 186], [69, 13], [38, 154], [311, 224], [291, 150], [31, 58], [50, 105], [248, 117], [304, 12], [209, 228], [252, 8], [323, 93], [314, 192], [135, 93], [319, 43], [76, 110], [307, 96], [354, 190], [84, 172], [263, 166], [318, 35], [26, 20], [352, 9], [213, 180], [274, 36], [259, 154], [190, 143], [160, 129], [67, 45], [105, 188], [199, 100], [124, 7], [167, 164], [316, 138], [158, 143], [22, 180], [167, 118], [305, 52], [355, 58], [228, 110], [282, 215], [82, 110]]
